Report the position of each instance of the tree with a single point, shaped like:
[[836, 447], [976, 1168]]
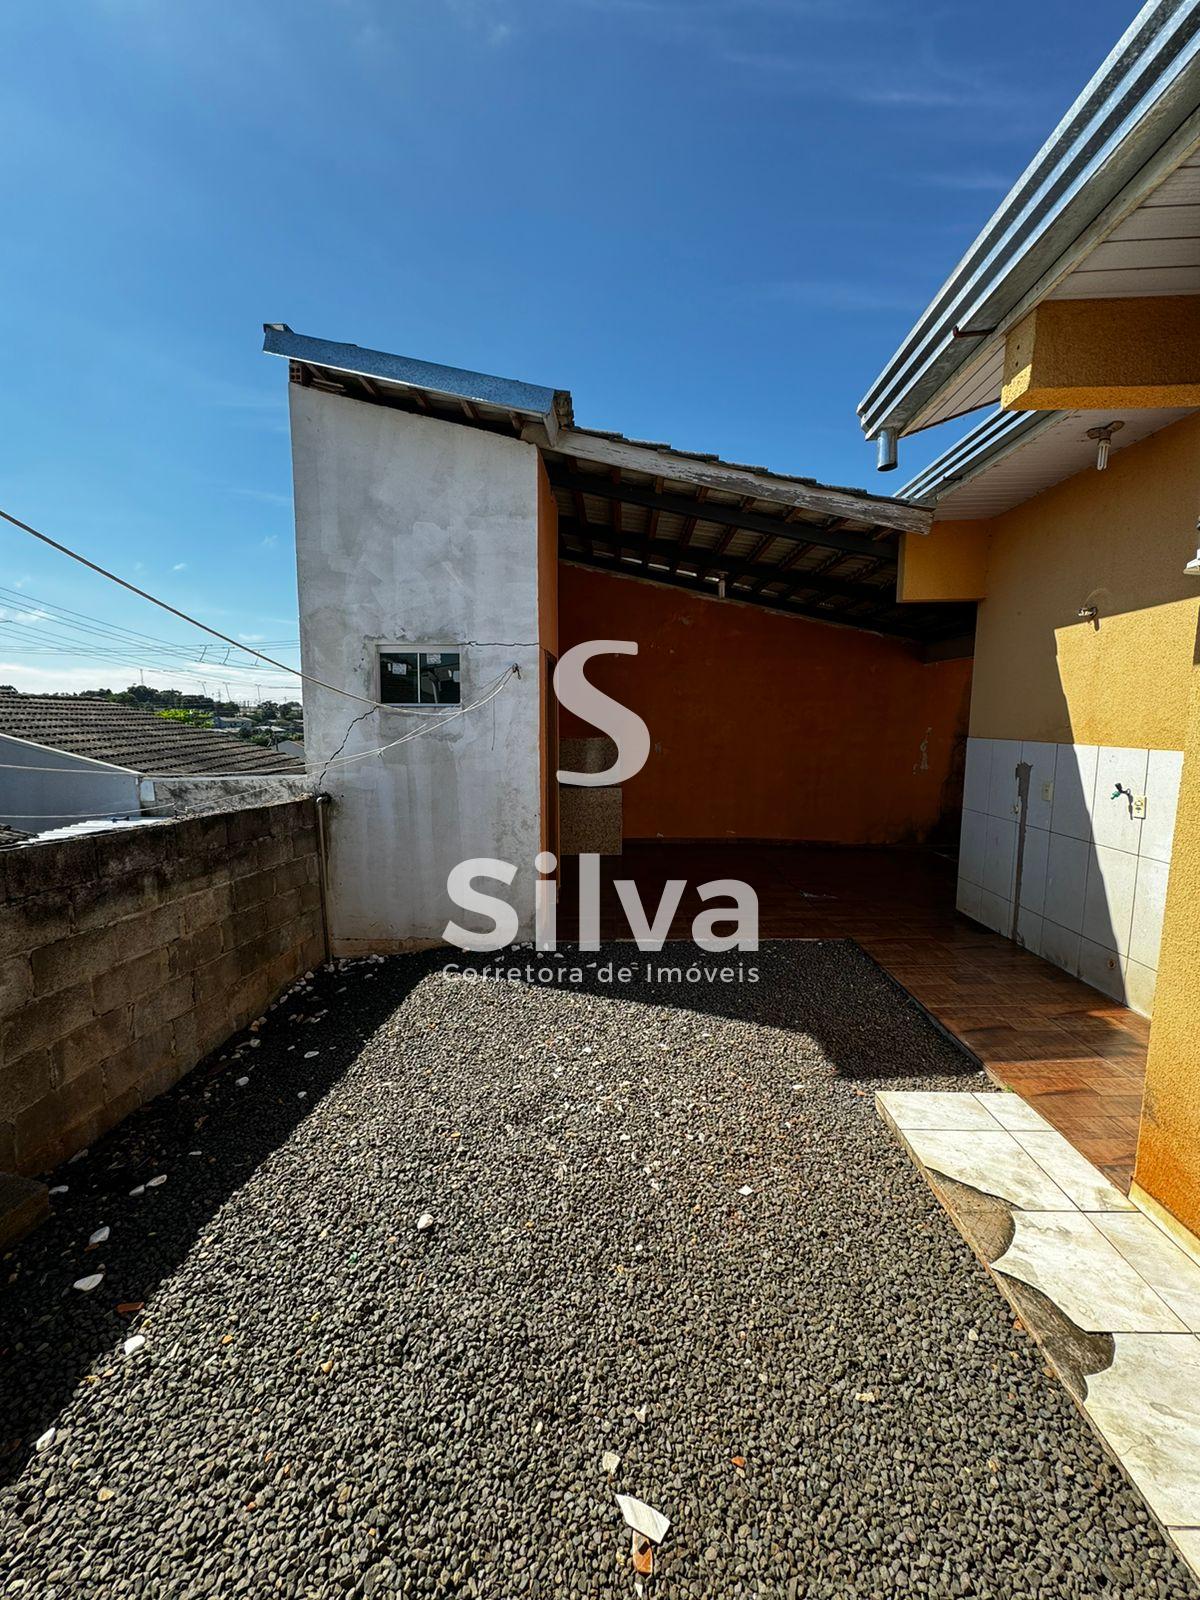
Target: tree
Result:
[[192, 717]]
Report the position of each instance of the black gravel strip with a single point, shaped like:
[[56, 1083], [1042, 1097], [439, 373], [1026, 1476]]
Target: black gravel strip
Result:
[[667, 1223]]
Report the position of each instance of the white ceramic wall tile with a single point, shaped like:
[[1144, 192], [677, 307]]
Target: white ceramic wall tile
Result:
[[1094, 912], [1066, 881], [1163, 771], [1147, 1405], [1029, 931], [1060, 945], [1174, 1276], [968, 898], [1108, 903], [994, 1163], [1140, 984], [949, 1109], [1041, 759], [999, 856], [1101, 968], [1034, 857], [977, 776], [1074, 788], [995, 912], [1149, 902], [1002, 791], [1069, 1260], [972, 846], [1113, 821], [1073, 1173]]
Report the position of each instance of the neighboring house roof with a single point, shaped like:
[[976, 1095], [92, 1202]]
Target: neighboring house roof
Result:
[[133, 738], [676, 517], [1072, 225]]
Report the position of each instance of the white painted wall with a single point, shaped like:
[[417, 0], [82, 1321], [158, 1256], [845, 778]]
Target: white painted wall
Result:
[[420, 532], [34, 800], [1093, 878]]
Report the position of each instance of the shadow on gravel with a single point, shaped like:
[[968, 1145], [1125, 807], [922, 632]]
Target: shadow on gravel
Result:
[[50, 1332], [863, 1021]]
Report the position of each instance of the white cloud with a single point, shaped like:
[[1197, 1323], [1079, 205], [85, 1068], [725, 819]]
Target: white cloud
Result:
[[180, 566]]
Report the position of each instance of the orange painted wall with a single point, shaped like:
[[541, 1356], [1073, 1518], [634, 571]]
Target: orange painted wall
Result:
[[764, 726]]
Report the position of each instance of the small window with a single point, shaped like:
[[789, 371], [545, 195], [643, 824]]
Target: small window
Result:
[[419, 677]]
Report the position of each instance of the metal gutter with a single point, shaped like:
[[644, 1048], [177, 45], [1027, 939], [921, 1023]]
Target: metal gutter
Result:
[[990, 441], [1136, 107], [457, 383]]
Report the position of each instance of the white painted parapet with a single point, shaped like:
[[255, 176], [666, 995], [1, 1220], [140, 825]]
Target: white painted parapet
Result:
[[414, 533]]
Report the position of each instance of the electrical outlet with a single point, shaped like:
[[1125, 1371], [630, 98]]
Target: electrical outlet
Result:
[[1048, 790], [1139, 805]]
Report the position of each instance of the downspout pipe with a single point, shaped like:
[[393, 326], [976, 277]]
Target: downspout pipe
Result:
[[886, 457], [323, 802]]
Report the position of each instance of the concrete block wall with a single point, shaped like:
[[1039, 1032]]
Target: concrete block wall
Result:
[[126, 957]]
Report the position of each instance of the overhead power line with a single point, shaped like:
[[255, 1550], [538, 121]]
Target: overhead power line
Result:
[[184, 616]]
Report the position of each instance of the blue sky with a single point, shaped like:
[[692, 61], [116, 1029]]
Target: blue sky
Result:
[[711, 220]]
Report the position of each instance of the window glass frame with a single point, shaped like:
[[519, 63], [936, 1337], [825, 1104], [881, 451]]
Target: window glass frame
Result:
[[420, 652]]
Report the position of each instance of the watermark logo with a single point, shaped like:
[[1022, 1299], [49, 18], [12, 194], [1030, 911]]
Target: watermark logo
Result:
[[730, 925]]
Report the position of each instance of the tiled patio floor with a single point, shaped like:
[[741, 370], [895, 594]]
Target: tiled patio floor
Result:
[[1115, 1300], [1079, 1057]]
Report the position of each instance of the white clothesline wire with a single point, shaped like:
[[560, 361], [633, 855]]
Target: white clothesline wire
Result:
[[195, 622], [430, 726]]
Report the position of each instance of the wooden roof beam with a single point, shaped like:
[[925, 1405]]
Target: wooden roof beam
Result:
[[781, 605], [738, 567], [860, 544]]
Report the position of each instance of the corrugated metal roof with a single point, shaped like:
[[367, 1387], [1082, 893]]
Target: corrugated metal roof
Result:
[[1134, 123], [127, 736], [428, 378], [684, 517]]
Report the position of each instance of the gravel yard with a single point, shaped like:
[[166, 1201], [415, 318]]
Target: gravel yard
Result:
[[666, 1223]]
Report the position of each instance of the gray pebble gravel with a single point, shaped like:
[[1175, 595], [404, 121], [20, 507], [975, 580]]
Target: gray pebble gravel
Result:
[[331, 1401]]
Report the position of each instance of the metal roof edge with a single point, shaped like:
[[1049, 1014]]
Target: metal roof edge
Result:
[[1144, 91], [990, 441], [709, 472], [510, 394]]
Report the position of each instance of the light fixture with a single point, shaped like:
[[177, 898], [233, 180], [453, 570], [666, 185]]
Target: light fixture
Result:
[[1103, 438], [1192, 568]]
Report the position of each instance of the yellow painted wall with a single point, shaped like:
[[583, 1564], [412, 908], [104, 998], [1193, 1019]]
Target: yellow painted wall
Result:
[[1168, 1158], [948, 563], [1104, 355], [1117, 540]]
